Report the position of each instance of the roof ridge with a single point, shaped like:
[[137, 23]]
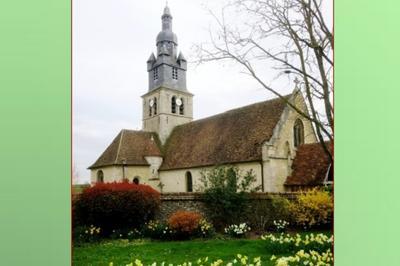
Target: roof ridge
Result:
[[139, 131], [232, 110], [119, 145], [133, 130]]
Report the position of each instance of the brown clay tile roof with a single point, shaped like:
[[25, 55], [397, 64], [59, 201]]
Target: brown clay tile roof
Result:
[[309, 166], [129, 145], [233, 136]]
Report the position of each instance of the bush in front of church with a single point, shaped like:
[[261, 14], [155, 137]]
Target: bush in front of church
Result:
[[226, 193], [312, 208], [115, 205], [185, 224]]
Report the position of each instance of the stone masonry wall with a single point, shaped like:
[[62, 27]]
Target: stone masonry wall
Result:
[[172, 202]]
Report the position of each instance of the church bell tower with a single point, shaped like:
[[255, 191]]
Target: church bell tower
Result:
[[167, 103]]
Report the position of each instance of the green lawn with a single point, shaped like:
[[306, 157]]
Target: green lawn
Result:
[[122, 253]]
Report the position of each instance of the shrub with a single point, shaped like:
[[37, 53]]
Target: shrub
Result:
[[116, 206], [312, 208], [184, 223], [226, 192], [263, 212]]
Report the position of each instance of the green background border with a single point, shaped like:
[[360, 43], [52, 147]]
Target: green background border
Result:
[[35, 132], [367, 130]]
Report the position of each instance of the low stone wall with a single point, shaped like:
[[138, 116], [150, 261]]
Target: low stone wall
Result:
[[172, 202]]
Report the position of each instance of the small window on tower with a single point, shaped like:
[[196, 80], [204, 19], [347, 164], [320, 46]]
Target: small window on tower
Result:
[[150, 108], [173, 105], [155, 73], [174, 73], [181, 107], [155, 105]]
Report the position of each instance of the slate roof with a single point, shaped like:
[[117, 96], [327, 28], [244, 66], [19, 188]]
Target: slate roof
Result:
[[309, 166], [131, 146], [233, 136]]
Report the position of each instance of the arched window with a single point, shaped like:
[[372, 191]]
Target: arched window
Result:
[[136, 180], [189, 182], [298, 133], [155, 105], [150, 109], [181, 107], [100, 176], [173, 105]]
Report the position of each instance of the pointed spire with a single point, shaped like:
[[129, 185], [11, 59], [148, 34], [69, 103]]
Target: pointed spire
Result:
[[166, 33], [152, 58], [181, 57], [167, 12], [150, 62]]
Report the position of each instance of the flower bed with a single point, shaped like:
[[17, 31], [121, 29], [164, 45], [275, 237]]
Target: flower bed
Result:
[[238, 260], [280, 225], [238, 231], [288, 243], [306, 258], [300, 258]]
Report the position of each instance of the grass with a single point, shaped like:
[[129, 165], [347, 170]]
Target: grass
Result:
[[121, 252]]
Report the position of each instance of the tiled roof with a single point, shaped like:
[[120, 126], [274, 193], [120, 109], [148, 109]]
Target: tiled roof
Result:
[[310, 165], [233, 136], [131, 146]]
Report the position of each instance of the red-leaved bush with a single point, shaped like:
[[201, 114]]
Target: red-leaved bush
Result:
[[184, 223], [115, 206]]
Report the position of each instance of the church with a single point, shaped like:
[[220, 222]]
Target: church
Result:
[[172, 149]]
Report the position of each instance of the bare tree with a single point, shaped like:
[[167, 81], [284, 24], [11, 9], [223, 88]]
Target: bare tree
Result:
[[305, 51]]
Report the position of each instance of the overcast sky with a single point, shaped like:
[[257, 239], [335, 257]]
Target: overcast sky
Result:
[[112, 41]]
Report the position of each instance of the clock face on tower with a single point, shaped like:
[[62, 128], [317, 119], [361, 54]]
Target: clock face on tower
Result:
[[151, 103], [179, 102]]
